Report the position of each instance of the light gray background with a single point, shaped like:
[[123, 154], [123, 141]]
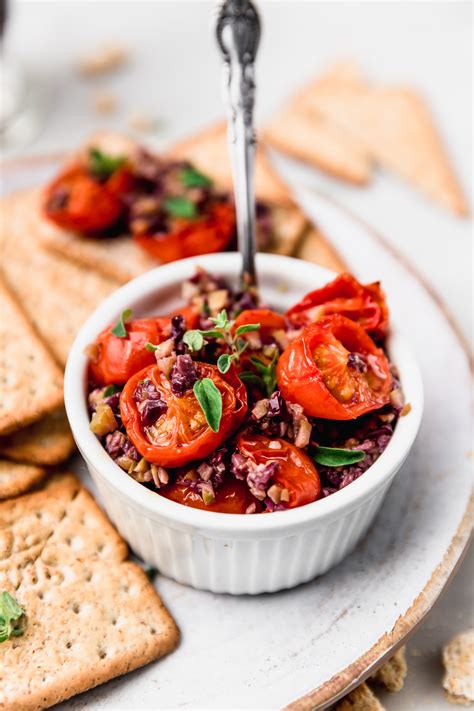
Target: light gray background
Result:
[[173, 75]]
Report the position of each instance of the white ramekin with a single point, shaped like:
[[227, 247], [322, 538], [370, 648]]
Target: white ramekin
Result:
[[221, 552]]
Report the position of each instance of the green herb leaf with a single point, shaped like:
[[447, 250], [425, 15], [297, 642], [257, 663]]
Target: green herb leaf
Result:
[[210, 400], [192, 178], [250, 378], [10, 614], [222, 320], [225, 361], [247, 329], [180, 207], [194, 340], [212, 333], [268, 372], [101, 165], [150, 347], [337, 457], [110, 390], [119, 329]]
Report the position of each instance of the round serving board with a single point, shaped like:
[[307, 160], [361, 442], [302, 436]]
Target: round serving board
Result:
[[304, 648]]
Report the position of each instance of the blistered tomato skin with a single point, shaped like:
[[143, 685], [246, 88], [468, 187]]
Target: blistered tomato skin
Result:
[[364, 304], [334, 371], [296, 472], [117, 359], [232, 496], [208, 233], [181, 434], [79, 202]]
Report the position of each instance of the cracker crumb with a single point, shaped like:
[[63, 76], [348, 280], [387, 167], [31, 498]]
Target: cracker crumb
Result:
[[458, 660], [361, 699], [102, 60], [392, 674], [405, 409], [141, 121], [104, 102]]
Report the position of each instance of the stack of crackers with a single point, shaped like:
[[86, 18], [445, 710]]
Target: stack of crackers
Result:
[[346, 126]]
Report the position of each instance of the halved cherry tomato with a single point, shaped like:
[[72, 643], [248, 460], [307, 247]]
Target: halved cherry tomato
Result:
[[181, 434], [296, 471], [334, 370], [77, 201], [232, 496], [117, 359], [269, 321], [344, 295], [209, 233]]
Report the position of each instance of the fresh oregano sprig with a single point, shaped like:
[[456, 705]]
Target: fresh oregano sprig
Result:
[[196, 339], [119, 329]]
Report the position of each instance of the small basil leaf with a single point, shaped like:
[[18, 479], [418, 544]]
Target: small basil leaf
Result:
[[119, 329], [101, 165], [337, 457], [210, 400], [194, 340], [180, 207], [192, 178], [225, 361], [247, 329]]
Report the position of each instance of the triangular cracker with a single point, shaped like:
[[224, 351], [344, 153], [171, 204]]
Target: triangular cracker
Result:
[[31, 383], [90, 614], [16, 478], [312, 138], [57, 294], [48, 441], [394, 125]]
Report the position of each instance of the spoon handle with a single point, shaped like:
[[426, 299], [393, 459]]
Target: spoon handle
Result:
[[238, 35]]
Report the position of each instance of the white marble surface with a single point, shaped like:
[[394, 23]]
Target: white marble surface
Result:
[[174, 74]]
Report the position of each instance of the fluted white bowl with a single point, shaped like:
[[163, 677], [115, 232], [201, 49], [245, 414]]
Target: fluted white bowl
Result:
[[225, 552]]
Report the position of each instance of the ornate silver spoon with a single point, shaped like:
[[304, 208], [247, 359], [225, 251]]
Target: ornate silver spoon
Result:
[[238, 35]]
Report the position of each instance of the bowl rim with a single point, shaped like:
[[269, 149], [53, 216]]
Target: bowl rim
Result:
[[378, 475]]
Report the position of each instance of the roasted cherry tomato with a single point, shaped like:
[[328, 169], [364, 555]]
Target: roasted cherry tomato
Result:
[[181, 434], [191, 316], [208, 233], [269, 321], [344, 295], [232, 496], [114, 360], [78, 201], [334, 370], [296, 472]]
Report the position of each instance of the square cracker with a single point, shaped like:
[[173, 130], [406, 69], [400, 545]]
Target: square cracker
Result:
[[56, 294], [91, 614], [31, 382], [16, 478], [48, 441]]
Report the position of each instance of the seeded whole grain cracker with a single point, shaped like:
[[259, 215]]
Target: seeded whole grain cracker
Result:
[[31, 382], [91, 614], [56, 294], [361, 699], [16, 478], [458, 660], [394, 125], [48, 441], [393, 673]]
